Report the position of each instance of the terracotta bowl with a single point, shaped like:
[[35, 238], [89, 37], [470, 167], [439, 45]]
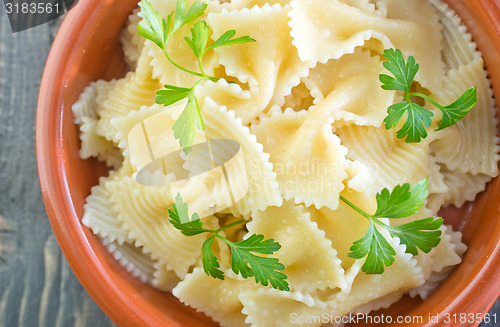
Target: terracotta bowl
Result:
[[87, 48]]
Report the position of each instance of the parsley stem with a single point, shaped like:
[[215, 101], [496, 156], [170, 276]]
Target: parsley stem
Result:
[[202, 74], [179, 66], [230, 225], [201, 67], [213, 79], [417, 94], [225, 240], [354, 207]]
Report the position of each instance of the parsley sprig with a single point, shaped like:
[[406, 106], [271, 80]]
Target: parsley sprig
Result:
[[417, 117], [403, 201], [155, 28], [265, 270]]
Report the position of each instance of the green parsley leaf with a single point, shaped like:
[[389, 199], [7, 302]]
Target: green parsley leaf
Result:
[[153, 27], [404, 73], [179, 217], [458, 109], [171, 95], [416, 120], [377, 249], [265, 270], [209, 260], [182, 17], [169, 25], [180, 11], [197, 9], [189, 120], [403, 201], [227, 39], [199, 32], [423, 234]]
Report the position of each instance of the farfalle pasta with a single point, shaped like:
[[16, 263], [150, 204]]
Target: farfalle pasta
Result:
[[305, 105]]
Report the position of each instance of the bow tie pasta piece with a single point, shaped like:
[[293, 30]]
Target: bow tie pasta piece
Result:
[[133, 259], [458, 47], [360, 178], [164, 278], [130, 93], [449, 251], [124, 125], [308, 158], [99, 215], [462, 187], [382, 302], [365, 5], [165, 7], [388, 158], [230, 95], [313, 265], [143, 210], [355, 75], [131, 41], [271, 66], [86, 112], [328, 29], [402, 275], [147, 139], [219, 124], [435, 182], [214, 297], [325, 78], [152, 137], [263, 190], [281, 134], [95, 145], [439, 262], [240, 4], [89, 103], [269, 307], [462, 147], [420, 12], [344, 226]]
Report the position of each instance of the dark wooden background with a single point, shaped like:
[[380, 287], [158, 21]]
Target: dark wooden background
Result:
[[37, 287]]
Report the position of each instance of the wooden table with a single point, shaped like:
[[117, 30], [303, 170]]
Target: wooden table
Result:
[[37, 287]]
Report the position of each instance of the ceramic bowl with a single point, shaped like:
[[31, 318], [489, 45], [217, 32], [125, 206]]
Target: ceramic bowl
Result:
[[87, 48]]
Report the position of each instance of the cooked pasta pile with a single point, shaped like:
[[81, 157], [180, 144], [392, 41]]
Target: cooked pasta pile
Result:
[[307, 110]]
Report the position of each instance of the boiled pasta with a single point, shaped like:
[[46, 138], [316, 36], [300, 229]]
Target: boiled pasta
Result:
[[304, 109]]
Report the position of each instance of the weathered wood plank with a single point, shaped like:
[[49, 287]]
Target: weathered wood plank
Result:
[[37, 286]]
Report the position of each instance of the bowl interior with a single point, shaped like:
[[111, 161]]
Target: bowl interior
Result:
[[87, 48]]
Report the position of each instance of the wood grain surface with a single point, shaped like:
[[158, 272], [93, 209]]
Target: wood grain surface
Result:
[[37, 287]]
